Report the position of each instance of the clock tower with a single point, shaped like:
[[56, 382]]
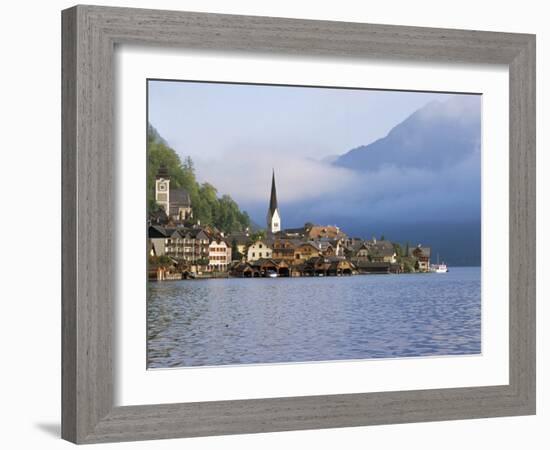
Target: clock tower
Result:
[[162, 188]]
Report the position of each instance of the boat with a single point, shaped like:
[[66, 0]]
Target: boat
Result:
[[272, 274], [439, 268]]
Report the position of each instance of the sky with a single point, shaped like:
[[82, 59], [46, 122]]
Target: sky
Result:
[[237, 134], [237, 131], [207, 120]]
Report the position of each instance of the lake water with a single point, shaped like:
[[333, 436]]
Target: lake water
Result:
[[249, 321]]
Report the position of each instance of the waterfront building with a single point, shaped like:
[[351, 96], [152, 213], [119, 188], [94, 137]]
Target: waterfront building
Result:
[[382, 251], [157, 240], [422, 255], [174, 243], [219, 255], [196, 243], [307, 250], [273, 214], [258, 250], [360, 252], [283, 249], [190, 245]]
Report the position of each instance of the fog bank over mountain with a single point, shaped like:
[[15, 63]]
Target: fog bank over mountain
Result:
[[421, 183]]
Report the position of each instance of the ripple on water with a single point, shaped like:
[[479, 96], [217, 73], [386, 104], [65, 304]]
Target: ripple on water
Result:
[[242, 321]]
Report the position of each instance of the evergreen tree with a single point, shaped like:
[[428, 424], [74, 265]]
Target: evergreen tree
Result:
[[222, 213]]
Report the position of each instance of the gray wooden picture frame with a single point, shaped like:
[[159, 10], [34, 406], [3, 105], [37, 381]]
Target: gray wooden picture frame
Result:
[[90, 34]]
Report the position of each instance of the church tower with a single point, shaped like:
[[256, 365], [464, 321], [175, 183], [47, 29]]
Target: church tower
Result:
[[162, 188], [273, 216]]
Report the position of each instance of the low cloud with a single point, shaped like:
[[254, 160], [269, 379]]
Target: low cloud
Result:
[[317, 191], [246, 176]]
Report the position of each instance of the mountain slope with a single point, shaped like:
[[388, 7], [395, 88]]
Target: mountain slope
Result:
[[422, 182], [435, 137]]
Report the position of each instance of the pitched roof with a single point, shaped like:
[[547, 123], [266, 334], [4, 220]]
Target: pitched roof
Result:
[[179, 197], [421, 251], [300, 231], [158, 216], [156, 232], [320, 231], [241, 238], [313, 244]]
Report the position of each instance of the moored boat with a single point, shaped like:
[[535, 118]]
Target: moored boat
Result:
[[439, 268]]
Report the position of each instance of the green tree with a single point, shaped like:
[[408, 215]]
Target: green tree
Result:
[[222, 213], [235, 254], [398, 249], [257, 236]]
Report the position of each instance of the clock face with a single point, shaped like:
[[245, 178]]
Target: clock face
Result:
[[162, 187]]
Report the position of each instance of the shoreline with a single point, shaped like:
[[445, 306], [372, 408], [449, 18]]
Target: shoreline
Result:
[[227, 276]]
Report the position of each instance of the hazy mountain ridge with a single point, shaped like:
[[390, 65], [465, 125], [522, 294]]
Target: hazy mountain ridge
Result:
[[434, 137], [432, 159]]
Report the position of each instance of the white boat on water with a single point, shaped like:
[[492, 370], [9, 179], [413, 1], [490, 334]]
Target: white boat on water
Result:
[[272, 274], [439, 268]]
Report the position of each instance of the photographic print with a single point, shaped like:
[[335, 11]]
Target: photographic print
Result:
[[292, 224]]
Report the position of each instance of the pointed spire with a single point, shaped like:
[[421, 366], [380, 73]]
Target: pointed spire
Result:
[[273, 200]]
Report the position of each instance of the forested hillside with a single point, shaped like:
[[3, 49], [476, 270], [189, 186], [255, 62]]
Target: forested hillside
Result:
[[208, 208]]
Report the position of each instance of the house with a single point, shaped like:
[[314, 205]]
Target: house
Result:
[[328, 247], [363, 251], [244, 270], [382, 251], [266, 266], [340, 266], [219, 255], [157, 240], [189, 245], [324, 231], [305, 251], [173, 243], [196, 243], [283, 249], [422, 256], [258, 250]]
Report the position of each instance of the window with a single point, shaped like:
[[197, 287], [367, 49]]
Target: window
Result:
[[260, 254], [261, 246], [253, 255]]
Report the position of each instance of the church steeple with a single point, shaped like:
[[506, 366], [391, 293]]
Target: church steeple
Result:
[[273, 216], [273, 200]]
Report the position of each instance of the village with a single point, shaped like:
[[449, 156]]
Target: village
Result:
[[180, 248]]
